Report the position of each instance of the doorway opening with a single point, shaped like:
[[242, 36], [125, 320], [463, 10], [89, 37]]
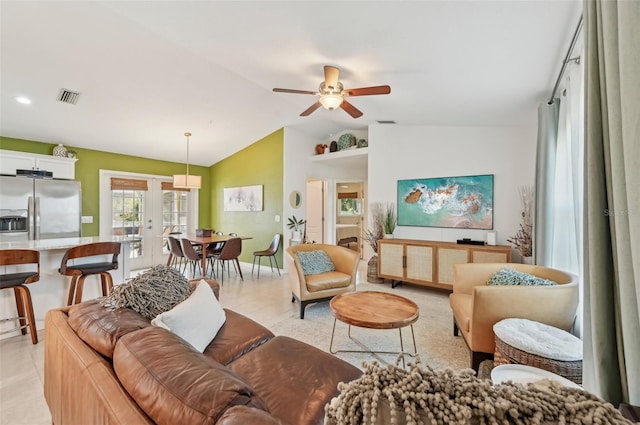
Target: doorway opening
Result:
[[350, 213]]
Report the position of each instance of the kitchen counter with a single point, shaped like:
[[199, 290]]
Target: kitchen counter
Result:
[[64, 243], [52, 289]]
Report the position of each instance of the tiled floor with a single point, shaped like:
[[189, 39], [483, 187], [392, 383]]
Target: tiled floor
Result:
[[268, 301]]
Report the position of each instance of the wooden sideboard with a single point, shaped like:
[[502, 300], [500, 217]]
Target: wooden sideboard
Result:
[[430, 263]]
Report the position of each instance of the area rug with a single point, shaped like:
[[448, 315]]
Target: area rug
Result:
[[436, 345]]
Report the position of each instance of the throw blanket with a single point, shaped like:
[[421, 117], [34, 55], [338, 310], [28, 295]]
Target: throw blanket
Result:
[[421, 395]]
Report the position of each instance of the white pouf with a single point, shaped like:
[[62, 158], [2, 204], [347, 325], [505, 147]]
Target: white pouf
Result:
[[525, 342], [539, 339]]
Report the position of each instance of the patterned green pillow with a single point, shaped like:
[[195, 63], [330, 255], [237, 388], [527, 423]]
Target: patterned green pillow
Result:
[[507, 276], [314, 262]]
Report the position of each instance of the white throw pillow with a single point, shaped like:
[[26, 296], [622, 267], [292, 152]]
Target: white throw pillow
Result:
[[197, 319]]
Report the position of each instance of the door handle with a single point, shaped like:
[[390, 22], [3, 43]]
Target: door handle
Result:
[[37, 218], [30, 219]]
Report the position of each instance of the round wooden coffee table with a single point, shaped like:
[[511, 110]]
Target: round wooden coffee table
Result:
[[374, 310]]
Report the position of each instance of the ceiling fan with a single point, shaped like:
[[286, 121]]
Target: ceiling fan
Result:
[[332, 93]]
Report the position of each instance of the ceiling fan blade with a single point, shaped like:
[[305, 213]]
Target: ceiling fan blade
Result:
[[366, 91], [310, 109], [350, 109], [295, 91], [331, 74]]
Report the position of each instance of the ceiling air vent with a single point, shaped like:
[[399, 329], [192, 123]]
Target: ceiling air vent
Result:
[[68, 96], [386, 122]]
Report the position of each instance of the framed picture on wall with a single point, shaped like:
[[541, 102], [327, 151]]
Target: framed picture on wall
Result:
[[455, 202], [243, 198]]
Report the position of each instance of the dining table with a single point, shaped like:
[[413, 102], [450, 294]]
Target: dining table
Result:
[[204, 241]]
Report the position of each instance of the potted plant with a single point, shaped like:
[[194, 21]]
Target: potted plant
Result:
[[295, 224], [390, 220]]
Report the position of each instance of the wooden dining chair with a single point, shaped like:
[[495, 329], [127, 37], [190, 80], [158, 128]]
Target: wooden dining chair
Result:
[[192, 256], [231, 250], [17, 282], [176, 256], [269, 252]]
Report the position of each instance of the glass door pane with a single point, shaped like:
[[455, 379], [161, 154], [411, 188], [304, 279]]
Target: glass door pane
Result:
[[128, 219], [175, 213]]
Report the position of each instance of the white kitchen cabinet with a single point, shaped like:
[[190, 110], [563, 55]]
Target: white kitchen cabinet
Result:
[[62, 168]]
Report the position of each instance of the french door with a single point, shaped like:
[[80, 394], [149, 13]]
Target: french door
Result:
[[145, 209]]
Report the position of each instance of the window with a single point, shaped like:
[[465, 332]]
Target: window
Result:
[[128, 210], [350, 206]]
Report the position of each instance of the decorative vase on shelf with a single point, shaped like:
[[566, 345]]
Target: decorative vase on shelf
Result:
[[388, 235], [296, 236], [527, 260], [60, 150]]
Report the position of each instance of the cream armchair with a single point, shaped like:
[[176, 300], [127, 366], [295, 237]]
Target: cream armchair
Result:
[[477, 307], [323, 286]]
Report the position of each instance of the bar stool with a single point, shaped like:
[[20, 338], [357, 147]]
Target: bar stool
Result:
[[17, 282], [79, 272]]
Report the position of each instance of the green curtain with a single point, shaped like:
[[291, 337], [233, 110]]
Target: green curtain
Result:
[[545, 178], [612, 200]]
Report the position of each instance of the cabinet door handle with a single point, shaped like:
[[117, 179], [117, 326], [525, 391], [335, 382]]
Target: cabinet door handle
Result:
[[404, 261]]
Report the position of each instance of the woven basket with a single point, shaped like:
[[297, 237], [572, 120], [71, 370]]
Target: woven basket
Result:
[[505, 353], [372, 271]]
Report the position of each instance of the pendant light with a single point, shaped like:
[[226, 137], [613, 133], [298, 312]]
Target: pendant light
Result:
[[186, 181]]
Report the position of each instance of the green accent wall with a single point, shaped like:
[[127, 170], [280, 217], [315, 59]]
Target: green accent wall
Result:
[[261, 163], [91, 161]]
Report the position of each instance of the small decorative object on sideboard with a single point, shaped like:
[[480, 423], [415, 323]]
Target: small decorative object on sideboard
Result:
[[320, 148], [362, 143], [60, 150], [390, 220], [333, 147]]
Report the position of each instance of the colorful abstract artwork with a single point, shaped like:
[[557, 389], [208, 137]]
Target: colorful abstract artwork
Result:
[[244, 198], [458, 202]]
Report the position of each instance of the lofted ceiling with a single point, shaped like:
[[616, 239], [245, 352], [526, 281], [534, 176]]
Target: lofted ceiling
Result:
[[147, 71]]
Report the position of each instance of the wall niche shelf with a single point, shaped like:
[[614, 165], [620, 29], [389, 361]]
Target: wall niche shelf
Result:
[[344, 158]]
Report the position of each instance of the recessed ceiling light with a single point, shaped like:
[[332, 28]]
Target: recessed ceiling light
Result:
[[24, 100]]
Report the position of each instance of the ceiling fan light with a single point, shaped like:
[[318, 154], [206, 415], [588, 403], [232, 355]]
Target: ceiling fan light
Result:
[[331, 101]]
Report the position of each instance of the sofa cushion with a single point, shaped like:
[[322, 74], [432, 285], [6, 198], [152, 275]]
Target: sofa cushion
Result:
[[314, 262], [327, 280], [243, 415], [173, 383], [294, 379], [237, 336], [101, 327], [462, 306], [197, 319], [509, 276]]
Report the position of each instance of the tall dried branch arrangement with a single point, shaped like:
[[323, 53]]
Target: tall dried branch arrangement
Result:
[[523, 240], [376, 225]]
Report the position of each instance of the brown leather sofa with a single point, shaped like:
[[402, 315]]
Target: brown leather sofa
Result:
[[477, 307], [112, 367], [314, 288]]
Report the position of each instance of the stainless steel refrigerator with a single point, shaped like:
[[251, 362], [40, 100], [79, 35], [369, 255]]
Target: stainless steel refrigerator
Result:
[[34, 208]]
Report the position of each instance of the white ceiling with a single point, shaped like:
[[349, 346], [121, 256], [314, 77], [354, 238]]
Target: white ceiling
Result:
[[148, 71]]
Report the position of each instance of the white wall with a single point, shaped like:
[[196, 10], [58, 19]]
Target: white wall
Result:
[[408, 152]]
